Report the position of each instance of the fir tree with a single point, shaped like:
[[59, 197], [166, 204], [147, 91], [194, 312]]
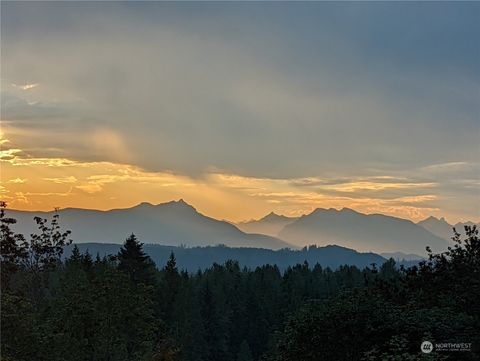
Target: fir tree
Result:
[[133, 261]]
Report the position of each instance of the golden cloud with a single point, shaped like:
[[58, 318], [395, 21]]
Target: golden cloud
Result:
[[61, 182]]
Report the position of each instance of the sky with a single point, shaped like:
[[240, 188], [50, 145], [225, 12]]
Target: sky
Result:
[[242, 108]]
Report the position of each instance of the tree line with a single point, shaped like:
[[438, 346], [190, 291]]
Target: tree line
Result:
[[202, 257], [124, 307]]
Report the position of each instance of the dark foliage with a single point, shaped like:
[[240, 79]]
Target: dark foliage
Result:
[[436, 301], [195, 258]]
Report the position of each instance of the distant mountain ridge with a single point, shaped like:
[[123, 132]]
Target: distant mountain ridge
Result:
[[364, 232], [171, 223], [271, 224], [441, 228], [177, 223]]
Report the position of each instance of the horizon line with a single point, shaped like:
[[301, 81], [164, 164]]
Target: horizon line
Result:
[[182, 200]]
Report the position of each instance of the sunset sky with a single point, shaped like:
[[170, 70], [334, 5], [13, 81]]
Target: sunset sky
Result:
[[242, 108]]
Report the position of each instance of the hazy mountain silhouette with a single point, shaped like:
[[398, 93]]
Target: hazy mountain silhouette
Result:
[[176, 223], [375, 232], [196, 258], [172, 223], [271, 224], [441, 228]]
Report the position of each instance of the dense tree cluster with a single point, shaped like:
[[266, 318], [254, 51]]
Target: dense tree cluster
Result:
[[122, 307], [436, 301]]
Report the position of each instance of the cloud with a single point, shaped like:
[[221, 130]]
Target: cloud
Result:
[[317, 99], [20, 197], [62, 180], [90, 188], [292, 102], [40, 109], [98, 184], [447, 167], [17, 180], [26, 86], [9, 154]]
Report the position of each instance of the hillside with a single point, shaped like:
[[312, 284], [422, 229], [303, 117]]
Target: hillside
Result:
[[195, 258]]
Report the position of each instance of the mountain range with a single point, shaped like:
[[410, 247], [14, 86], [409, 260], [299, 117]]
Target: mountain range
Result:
[[349, 228], [364, 232], [177, 223], [173, 223]]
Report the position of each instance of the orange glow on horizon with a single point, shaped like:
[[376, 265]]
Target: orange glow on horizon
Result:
[[32, 183], [46, 183]]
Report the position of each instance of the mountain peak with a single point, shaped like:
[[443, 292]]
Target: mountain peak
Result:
[[144, 205], [348, 210], [271, 216], [182, 204], [274, 217], [433, 219], [319, 211], [177, 204], [181, 201]]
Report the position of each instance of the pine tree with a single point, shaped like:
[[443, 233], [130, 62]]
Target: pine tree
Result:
[[134, 262], [170, 285], [75, 258]]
